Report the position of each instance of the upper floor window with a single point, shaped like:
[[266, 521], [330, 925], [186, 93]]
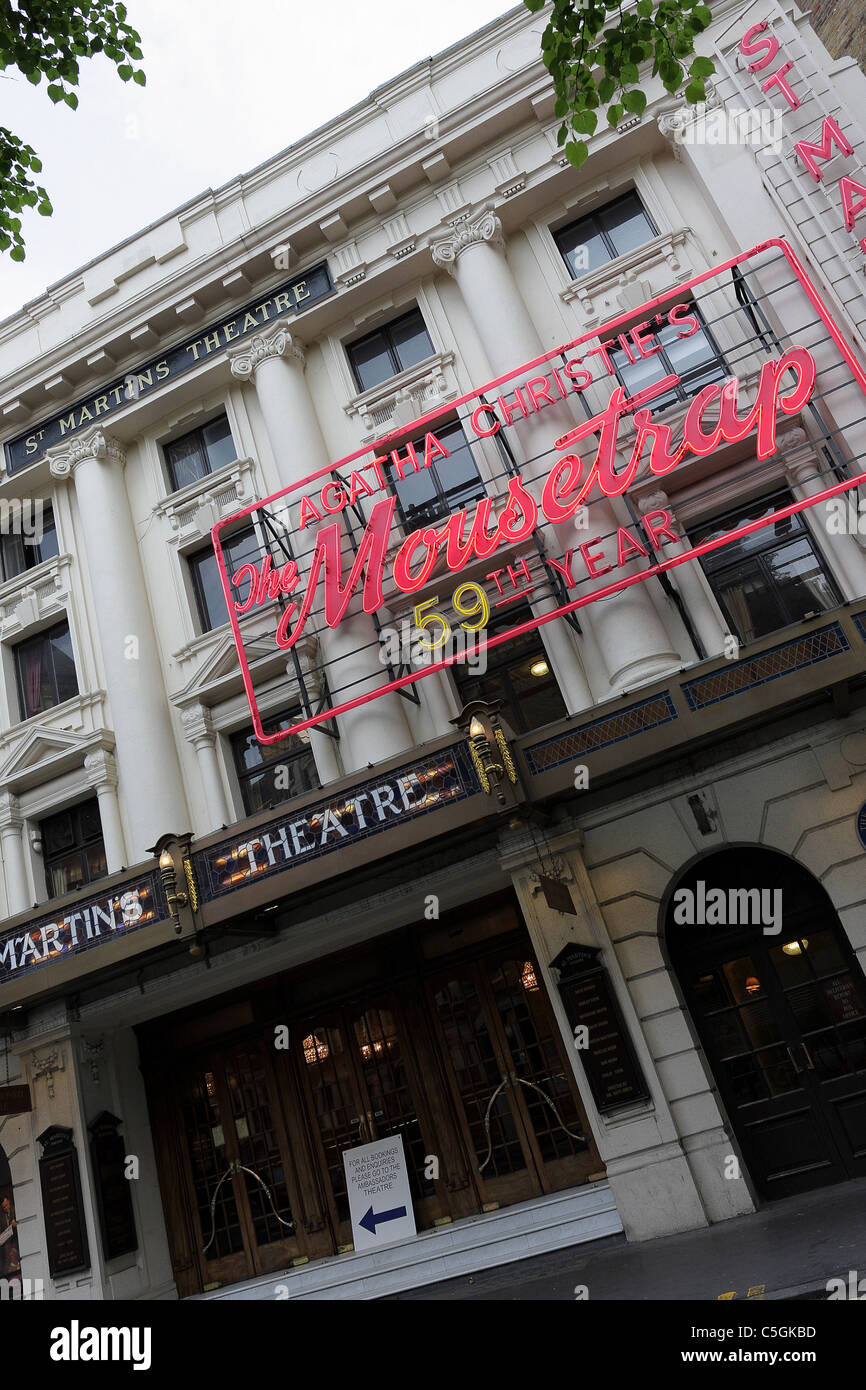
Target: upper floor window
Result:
[[22, 549], [604, 235], [273, 772], [687, 351], [770, 578], [240, 547], [200, 452], [518, 674], [46, 670], [393, 348], [72, 848], [426, 494]]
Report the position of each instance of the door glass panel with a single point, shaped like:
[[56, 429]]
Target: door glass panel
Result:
[[478, 1075], [387, 1085], [338, 1115], [207, 1155], [258, 1146], [526, 1023]]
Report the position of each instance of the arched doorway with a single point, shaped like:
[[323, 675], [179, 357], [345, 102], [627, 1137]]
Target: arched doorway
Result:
[[779, 1003], [10, 1260]]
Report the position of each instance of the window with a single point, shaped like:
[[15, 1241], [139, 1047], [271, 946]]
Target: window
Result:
[[517, 673], [200, 452], [391, 349], [72, 848], [46, 670], [449, 483], [770, 578], [695, 359], [20, 552], [240, 548], [613, 230], [275, 772]]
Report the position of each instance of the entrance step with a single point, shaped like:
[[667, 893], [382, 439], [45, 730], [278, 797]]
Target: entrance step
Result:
[[555, 1222]]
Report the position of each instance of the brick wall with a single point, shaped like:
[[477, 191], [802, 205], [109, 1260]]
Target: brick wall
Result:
[[841, 27]]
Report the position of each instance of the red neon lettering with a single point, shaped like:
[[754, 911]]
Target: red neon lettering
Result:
[[307, 513], [602, 351], [809, 153], [770, 43], [508, 411], [778, 80], [400, 463], [579, 376], [645, 349], [521, 569], [402, 576], [339, 499], [851, 209], [432, 448], [559, 386], [626, 347], [694, 439], [476, 423], [625, 543], [562, 567], [358, 487], [538, 389], [594, 568], [664, 527], [369, 563], [681, 317], [246, 572]]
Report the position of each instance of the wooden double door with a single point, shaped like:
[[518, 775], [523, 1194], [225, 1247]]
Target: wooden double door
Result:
[[464, 1061]]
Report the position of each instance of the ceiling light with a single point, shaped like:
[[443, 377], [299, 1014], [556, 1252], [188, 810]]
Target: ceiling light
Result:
[[539, 668]]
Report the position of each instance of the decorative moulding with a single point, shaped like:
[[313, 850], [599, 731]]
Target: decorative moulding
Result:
[[419, 389], [194, 509], [596, 293]]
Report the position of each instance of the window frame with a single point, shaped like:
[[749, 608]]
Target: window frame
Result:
[[386, 330], [717, 564], [207, 551], [32, 552], [412, 524], [593, 217], [287, 754], [680, 392], [197, 431], [500, 659], [80, 846], [45, 635]]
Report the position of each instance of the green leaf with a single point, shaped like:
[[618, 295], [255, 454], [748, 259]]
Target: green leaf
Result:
[[534, 5], [124, 72], [71, 99], [700, 12], [139, 77], [645, 8], [55, 93], [702, 67], [585, 122], [606, 88], [17, 253], [629, 73], [635, 102], [614, 114], [696, 91], [576, 152], [45, 209]]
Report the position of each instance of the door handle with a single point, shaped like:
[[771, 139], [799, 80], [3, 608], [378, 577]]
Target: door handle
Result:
[[793, 1061], [810, 1064]]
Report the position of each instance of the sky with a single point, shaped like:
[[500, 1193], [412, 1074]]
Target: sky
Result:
[[228, 86]]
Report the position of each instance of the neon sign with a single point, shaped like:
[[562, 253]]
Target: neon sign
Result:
[[316, 590]]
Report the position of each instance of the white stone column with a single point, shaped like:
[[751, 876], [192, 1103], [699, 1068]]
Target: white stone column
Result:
[[631, 636], [807, 477], [102, 777], [275, 361], [11, 827], [691, 583], [199, 731], [149, 776]]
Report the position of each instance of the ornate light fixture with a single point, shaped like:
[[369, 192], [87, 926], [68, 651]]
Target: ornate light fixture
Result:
[[168, 849], [488, 746], [314, 1049]]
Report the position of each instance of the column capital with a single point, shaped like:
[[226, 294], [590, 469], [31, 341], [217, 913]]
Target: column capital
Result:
[[486, 227], [798, 456], [274, 342], [198, 726], [101, 769], [674, 118], [10, 812], [658, 501], [64, 458]]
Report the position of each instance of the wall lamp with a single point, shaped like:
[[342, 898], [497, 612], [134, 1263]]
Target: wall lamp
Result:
[[488, 746], [165, 849]]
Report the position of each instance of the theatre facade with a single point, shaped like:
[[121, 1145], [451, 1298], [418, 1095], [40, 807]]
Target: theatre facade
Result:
[[433, 631]]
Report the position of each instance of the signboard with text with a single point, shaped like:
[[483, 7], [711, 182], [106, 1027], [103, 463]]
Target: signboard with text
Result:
[[380, 1199], [510, 512]]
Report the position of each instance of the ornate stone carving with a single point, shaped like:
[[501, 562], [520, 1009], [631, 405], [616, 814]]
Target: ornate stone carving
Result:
[[47, 1065], [673, 122], [487, 227], [63, 459], [10, 812], [92, 1050], [198, 726], [275, 342], [101, 768]]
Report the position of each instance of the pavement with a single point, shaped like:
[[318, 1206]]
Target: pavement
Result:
[[785, 1250]]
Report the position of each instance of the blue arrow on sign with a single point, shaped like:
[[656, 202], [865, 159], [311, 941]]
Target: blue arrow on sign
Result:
[[370, 1220]]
